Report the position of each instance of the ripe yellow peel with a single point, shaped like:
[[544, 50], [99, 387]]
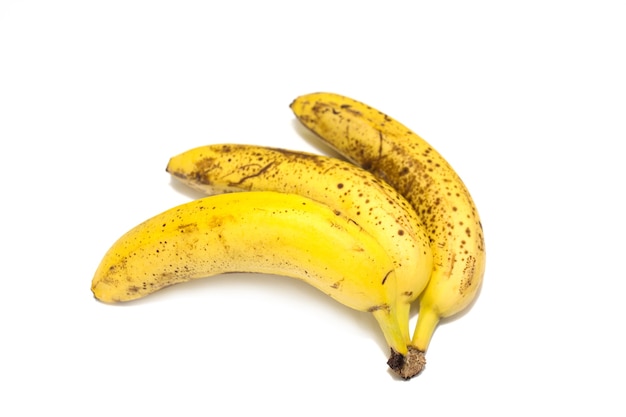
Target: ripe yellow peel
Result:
[[265, 232], [394, 153]]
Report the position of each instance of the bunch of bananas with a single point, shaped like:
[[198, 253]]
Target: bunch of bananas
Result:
[[394, 226]]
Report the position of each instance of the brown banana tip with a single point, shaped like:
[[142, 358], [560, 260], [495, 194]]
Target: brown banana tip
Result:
[[409, 365]]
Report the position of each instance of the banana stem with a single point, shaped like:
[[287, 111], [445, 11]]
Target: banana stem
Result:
[[409, 365], [387, 320], [427, 321], [406, 361], [403, 314]]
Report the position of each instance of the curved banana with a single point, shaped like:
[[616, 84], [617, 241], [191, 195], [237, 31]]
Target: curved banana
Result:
[[394, 153], [264, 232], [357, 194]]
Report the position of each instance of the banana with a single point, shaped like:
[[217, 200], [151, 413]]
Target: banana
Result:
[[382, 145], [355, 193], [264, 232]]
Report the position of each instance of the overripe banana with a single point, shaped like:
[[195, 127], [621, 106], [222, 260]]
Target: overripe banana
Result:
[[382, 145], [355, 193], [265, 232]]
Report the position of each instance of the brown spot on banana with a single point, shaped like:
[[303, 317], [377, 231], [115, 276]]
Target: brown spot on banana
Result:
[[253, 175], [384, 307], [468, 275], [188, 228], [385, 278]]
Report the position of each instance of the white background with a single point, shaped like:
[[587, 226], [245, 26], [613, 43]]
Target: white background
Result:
[[527, 100]]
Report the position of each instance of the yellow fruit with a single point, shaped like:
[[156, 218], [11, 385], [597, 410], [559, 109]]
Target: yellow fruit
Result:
[[263, 232], [390, 150], [355, 193]]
